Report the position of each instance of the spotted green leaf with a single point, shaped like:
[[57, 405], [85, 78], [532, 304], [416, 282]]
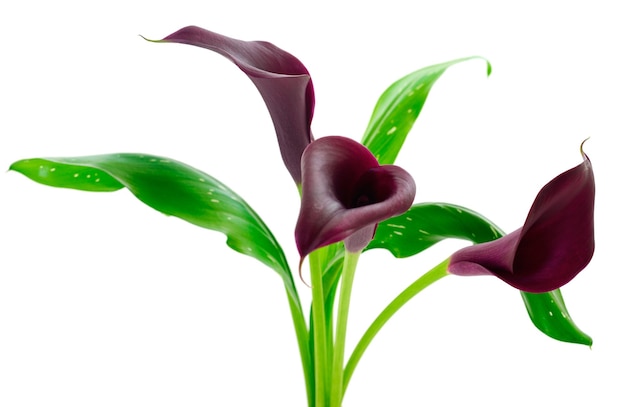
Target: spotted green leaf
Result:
[[172, 188], [425, 224], [398, 108], [549, 314]]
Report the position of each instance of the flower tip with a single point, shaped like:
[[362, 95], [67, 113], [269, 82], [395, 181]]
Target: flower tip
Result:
[[300, 271], [582, 152], [148, 39]]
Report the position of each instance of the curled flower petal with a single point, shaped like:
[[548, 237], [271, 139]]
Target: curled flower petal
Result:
[[554, 245], [282, 80], [345, 193]]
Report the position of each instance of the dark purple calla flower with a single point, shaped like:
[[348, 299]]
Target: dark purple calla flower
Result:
[[345, 193], [282, 80], [554, 245]]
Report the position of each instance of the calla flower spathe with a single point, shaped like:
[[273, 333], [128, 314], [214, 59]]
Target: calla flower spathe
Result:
[[554, 245], [282, 80], [345, 193]]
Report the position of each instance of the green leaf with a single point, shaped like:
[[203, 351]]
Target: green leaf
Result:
[[79, 177], [172, 188], [425, 224], [398, 108], [550, 316]]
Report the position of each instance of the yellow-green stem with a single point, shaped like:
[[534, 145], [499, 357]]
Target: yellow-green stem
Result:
[[320, 351], [435, 274], [347, 278], [302, 335]]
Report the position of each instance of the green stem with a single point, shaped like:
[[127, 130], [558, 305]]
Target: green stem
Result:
[[347, 278], [436, 273], [320, 351], [302, 335]]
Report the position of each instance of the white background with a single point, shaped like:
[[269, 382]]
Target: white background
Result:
[[105, 302]]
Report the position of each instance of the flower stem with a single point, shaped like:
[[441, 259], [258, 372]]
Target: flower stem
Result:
[[302, 335], [320, 350], [347, 278], [435, 274]]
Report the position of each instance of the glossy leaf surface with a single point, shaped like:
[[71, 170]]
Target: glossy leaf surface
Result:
[[398, 108], [79, 177], [550, 316], [426, 224], [172, 188]]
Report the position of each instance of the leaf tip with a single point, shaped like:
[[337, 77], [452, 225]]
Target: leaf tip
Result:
[[16, 166], [489, 67]]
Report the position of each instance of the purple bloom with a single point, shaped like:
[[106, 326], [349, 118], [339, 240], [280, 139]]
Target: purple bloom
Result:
[[282, 80], [345, 193], [554, 245]]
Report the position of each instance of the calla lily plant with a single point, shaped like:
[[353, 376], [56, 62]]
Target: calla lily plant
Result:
[[353, 199]]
